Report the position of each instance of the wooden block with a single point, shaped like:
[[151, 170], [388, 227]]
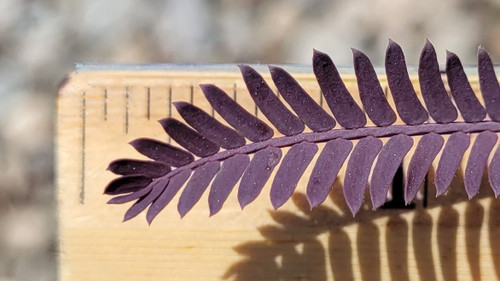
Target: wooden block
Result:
[[100, 110]]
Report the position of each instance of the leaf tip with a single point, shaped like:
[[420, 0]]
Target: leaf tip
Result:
[[151, 214], [450, 55], [496, 192], [165, 121], [355, 52], [317, 53], [275, 69], [179, 105], [244, 68], [392, 44]]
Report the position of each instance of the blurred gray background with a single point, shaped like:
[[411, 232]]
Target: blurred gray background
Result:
[[40, 41]]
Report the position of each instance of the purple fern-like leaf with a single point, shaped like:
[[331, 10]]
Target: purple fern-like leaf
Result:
[[245, 150]]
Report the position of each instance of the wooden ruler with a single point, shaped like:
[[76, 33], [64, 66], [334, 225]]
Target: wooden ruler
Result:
[[101, 108]]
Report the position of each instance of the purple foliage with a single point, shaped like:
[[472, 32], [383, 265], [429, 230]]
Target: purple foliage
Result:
[[154, 183]]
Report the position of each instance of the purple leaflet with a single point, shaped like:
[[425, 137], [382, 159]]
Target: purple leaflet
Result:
[[466, 100], [162, 152], [371, 93], [326, 169], [157, 187], [427, 149], [478, 159], [494, 172], [229, 174], [358, 170], [168, 193], [451, 157], [195, 187], [151, 169], [344, 108], [291, 169], [388, 162], [488, 82], [435, 96], [131, 197], [248, 125], [126, 184], [209, 126], [188, 138], [276, 112], [408, 106], [306, 108], [256, 175]]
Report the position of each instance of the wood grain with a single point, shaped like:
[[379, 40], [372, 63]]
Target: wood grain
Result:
[[100, 111]]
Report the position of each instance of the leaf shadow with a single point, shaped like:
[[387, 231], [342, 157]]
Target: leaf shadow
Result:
[[291, 248]]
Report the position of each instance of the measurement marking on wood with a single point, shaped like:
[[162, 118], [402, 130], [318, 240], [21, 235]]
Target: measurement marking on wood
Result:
[[84, 123], [169, 101], [321, 98], [148, 92], [234, 92], [191, 92], [169, 107], [105, 104], [126, 109]]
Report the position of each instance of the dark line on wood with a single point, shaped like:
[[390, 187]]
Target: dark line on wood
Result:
[[105, 104], [126, 109], [234, 92], [321, 98], [149, 103], [348, 134], [191, 93], [213, 112], [169, 107], [169, 101], [386, 91], [84, 124]]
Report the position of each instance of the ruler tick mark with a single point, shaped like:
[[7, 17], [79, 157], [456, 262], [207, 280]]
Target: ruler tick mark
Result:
[[126, 109], [169, 106], [320, 98], [169, 101], [105, 104], [191, 92], [148, 110], [84, 124], [234, 92]]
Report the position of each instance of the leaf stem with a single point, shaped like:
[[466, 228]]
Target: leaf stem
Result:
[[348, 134]]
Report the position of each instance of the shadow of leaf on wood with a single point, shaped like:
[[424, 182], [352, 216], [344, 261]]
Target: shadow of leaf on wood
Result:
[[291, 248]]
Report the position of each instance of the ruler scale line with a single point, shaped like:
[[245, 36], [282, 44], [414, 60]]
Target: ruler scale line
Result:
[[83, 140], [148, 110], [234, 92], [105, 104], [169, 107], [126, 109], [191, 93]]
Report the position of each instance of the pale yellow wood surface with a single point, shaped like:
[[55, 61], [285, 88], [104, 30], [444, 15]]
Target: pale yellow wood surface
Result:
[[99, 112]]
